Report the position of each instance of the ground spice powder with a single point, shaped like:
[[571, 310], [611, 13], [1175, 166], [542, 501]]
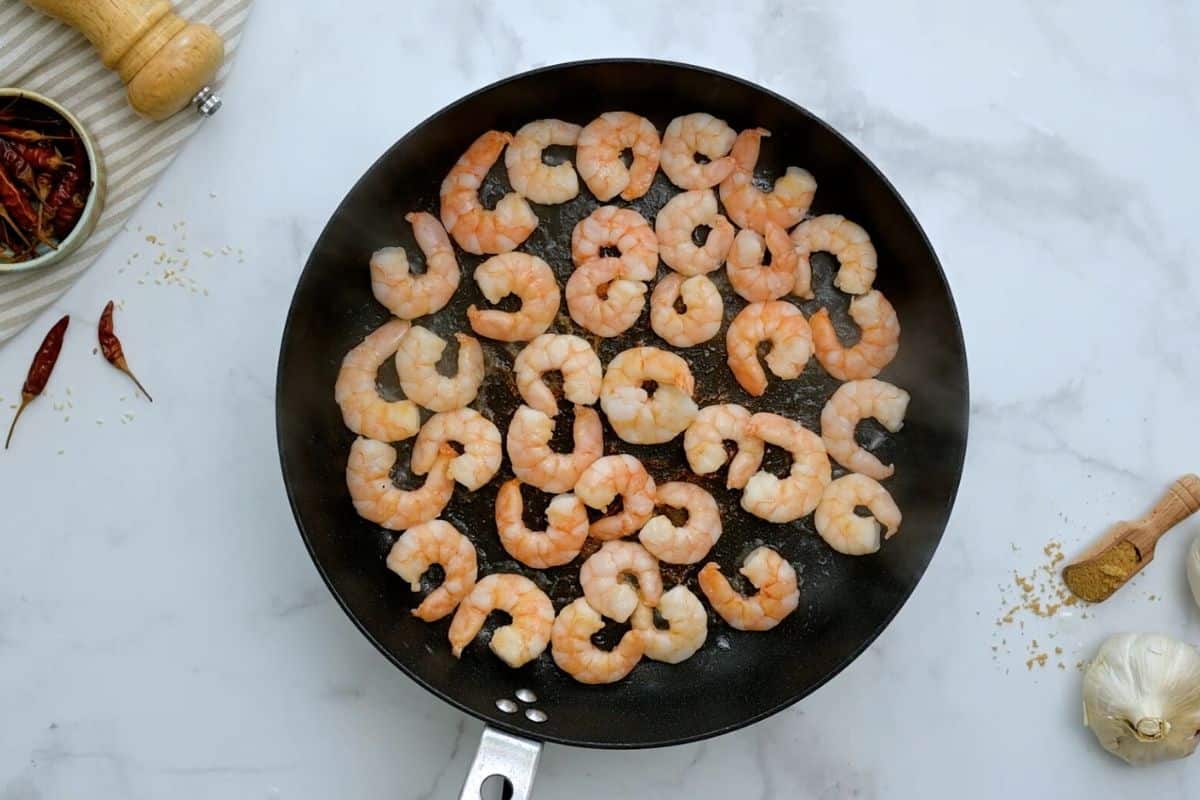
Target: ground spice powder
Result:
[[1097, 578]]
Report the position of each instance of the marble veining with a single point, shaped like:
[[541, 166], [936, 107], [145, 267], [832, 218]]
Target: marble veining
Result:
[[163, 632]]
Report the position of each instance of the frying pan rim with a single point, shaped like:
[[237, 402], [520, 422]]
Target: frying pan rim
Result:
[[963, 414]]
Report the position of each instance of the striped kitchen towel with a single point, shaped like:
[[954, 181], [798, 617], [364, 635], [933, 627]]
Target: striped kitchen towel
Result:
[[43, 55]]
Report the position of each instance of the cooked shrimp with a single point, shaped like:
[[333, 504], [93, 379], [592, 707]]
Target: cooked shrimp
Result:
[[566, 529], [603, 302], [702, 315], [687, 626], [691, 541], [532, 177], [641, 418], [416, 364], [435, 542], [604, 578], [533, 461], [675, 225], [749, 206], [877, 344], [482, 450], [620, 228], [520, 641], [704, 443], [575, 653], [692, 135], [529, 278], [855, 401], [476, 229], [778, 322], [778, 591], [776, 500], [409, 296], [378, 499], [844, 530], [849, 243], [363, 410], [598, 155], [603, 480], [749, 277], [572, 356]]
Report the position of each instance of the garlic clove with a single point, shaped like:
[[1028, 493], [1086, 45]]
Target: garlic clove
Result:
[[1193, 568], [1141, 697]]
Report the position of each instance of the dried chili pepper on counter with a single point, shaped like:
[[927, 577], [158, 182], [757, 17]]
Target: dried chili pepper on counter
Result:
[[110, 345], [39, 371]]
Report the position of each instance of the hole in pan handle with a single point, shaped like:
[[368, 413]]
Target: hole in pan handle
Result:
[[510, 757]]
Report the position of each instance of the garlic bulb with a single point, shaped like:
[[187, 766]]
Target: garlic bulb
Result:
[[1193, 568], [1141, 697]]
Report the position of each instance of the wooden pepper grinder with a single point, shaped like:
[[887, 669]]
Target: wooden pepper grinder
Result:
[[166, 61]]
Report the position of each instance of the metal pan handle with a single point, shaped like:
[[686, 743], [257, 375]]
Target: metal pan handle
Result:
[[511, 757]]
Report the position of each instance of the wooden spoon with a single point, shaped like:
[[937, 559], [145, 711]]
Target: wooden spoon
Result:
[[1129, 546]]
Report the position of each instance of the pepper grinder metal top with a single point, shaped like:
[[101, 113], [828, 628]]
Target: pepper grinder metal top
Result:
[[207, 102], [165, 61]]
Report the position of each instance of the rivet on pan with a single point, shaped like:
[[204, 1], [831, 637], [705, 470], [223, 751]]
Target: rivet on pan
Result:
[[535, 715], [506, 705], [526, 695]]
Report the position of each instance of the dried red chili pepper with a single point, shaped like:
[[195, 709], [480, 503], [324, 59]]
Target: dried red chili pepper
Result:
[[17, 166], [110, 345], [41, 156], [16, 203], [64, 203], [39, 371], [29, 135], [4, 217], [68, 213]]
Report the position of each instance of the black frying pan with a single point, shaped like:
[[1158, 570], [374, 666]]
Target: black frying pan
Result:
[[737, 678]]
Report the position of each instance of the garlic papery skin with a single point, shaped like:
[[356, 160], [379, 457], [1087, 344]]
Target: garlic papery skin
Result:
[[1193, 568], [1141, 697]]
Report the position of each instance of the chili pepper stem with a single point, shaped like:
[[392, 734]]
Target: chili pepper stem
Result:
[[25, 400], [123, 365]]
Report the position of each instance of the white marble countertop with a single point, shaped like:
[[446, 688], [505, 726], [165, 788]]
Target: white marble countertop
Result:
[[164, 633]]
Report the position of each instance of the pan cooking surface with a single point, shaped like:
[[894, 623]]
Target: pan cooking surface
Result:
[[736, 677]]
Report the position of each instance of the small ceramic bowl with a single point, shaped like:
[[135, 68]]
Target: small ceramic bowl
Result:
[[95, 199]]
